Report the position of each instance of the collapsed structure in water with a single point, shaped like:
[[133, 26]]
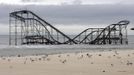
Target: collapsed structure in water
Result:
[[25, 27]]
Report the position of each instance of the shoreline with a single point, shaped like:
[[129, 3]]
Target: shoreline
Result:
[[56, 49]]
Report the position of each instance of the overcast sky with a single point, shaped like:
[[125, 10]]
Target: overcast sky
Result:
[[59, 2], [65, 13]]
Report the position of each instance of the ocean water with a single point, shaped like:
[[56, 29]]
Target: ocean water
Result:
[[6, 50]]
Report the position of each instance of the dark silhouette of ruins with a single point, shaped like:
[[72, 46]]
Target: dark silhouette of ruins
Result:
[[25, 27]]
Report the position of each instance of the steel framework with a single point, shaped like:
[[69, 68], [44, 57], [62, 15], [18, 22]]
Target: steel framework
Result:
[[25, 27], [112, 34]]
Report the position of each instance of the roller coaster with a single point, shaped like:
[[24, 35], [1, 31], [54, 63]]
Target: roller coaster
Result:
[[25, 27], [112, 34]]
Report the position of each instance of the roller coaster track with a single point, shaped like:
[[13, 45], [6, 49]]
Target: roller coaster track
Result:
[[112, 34], [26, 27], [27, 16], [86, 35]]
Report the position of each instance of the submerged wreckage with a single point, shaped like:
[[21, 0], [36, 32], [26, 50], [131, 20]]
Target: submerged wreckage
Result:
[[25, 27]]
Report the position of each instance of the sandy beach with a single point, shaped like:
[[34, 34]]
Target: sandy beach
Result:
[[114, 62]]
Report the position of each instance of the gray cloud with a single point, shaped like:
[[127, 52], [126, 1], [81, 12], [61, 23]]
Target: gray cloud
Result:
[[89, 15], [125, 2], [74, 14], [31, 0], [77, 2]]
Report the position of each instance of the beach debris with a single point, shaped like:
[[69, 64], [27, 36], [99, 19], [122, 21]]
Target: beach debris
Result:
[[103, 71], [19, 55], [32, 60], [39, 59], [112, 65], [110, 50], [89, 55], [129, 63], [44, 57], [48, 59], [3, 58], [114, 55], [8, 60], [36, 54], [59, 56], [63, 61], [128, 55], [68, 55], [100, 55], [92, 63]]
